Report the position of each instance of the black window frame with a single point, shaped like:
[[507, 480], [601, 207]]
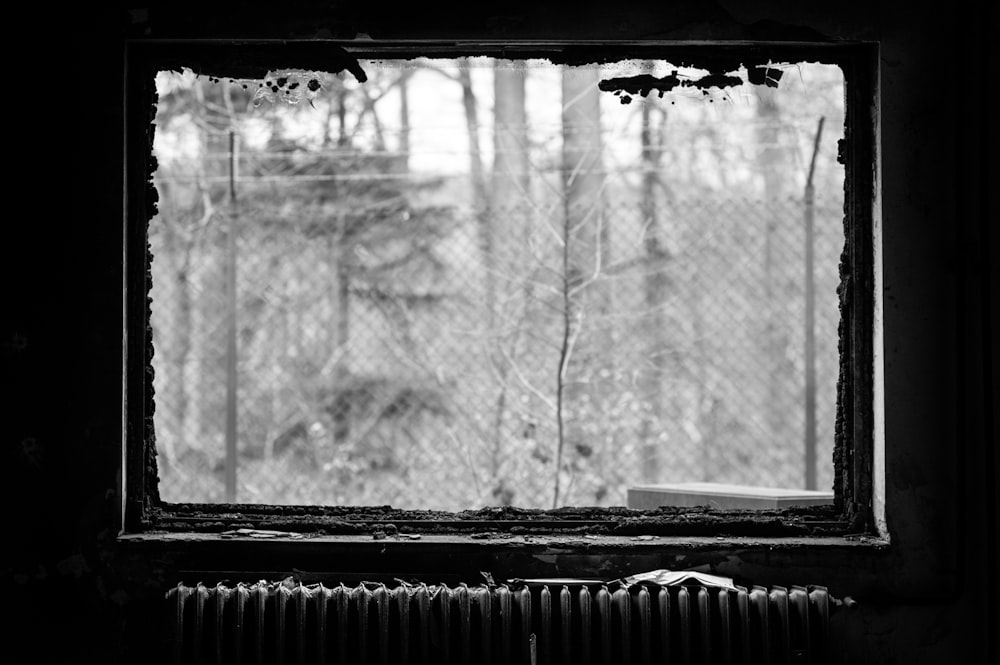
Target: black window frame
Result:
[[852, 511]]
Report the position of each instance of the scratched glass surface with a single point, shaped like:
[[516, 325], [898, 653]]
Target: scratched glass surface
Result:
[[479, 282]]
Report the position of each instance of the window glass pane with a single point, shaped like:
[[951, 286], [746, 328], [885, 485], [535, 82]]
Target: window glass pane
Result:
[[483, 282]]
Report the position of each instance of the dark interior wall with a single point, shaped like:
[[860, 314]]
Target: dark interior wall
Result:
[[62, 332]]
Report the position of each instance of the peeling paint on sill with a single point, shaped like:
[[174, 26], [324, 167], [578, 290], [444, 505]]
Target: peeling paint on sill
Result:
[[487, 523]]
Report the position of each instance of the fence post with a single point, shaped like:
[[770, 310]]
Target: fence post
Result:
[[231, 431], [810, 341]]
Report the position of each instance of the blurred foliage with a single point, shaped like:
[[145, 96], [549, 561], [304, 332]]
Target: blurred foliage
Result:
[[372, 370]]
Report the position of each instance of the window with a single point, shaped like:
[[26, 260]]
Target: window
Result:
[[446, 297]]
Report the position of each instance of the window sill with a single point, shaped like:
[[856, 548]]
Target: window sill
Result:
[[492, 540], [863, 567], [668, 521]]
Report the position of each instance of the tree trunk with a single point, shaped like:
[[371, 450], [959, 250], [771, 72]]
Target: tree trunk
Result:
[[585, 251], [404, 121], [655, 294], [343, 140], [205, 282], [772, 162], [183, 335], [340, 291], [509, 221], [480, 200], [172, 342]]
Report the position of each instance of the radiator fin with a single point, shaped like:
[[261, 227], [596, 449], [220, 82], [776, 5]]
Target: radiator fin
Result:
[[511, 624]]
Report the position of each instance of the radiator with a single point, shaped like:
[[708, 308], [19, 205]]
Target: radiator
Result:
[[281, 622]]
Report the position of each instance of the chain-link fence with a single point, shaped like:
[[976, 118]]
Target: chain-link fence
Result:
[[471, 282], [432, 357]]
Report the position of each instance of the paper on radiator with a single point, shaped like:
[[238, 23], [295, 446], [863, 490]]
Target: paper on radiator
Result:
[[662, 577], [679, 577]]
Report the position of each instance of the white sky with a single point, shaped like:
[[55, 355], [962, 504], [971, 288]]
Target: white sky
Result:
[[439, 142]]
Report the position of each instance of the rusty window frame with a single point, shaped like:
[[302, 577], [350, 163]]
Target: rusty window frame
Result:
[[851, 512]]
